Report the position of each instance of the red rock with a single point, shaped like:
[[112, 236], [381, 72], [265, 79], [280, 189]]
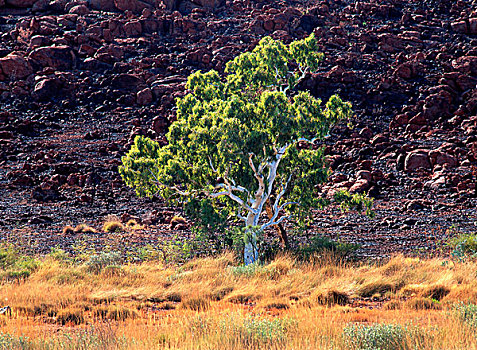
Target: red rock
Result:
[[133, 28], [159, 124], [39, 40], [417, 159], [126, 81], [473, 26], [15, 66], [364, 174], [438, 157], [209, 4], [6, 135], [366, 133], [361, 185], [403, 71], [144, 97], [20, 3], [59, 57], [79, 10], [46, 89], [419, 119], [459, 27], [103, 5], [466, 64], [135, 6]]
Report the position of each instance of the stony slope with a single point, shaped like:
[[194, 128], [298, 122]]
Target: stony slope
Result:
[[79, 79]]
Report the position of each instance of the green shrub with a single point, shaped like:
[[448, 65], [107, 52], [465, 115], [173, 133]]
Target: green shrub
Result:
[[14, 265], [466, 313], [464, 246], [97, 262], [267, 331], [382, 337]]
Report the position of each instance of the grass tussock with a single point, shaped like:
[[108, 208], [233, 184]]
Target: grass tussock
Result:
[[83, 228], [113, 226], [68, 230], [70, 316]]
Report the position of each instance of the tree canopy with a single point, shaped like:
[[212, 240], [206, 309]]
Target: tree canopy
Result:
[[245, 139]]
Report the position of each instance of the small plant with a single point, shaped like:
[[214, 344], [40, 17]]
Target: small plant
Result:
[[133, 225], [333, 297], [423, 304], [381, 337], [266, 331], [16, 265], [59, 255], [376, 287], [464, 246], [97, 262], [466, 313], [176, 221], [113, 226]]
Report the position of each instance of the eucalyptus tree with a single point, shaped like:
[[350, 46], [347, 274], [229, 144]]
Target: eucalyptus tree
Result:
[[246, 139]]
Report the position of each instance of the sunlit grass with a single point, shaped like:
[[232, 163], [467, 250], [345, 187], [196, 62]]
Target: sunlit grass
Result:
[[213, 303]]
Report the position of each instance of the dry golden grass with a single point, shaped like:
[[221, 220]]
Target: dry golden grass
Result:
[[83, 228], [68, 230], [212, 303]]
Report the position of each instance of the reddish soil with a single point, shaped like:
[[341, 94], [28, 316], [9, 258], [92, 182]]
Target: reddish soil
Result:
[[79, 79]]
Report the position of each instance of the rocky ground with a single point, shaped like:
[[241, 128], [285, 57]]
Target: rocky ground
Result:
[[79, 79]]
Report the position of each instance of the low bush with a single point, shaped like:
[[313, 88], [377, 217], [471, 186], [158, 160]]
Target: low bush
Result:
[[264, 331], [113, 226], [464, 246], [98, 262], [466, 313], [118, 313], [382, 337], [83, 228], [14, 265], [375, 287], [333, 297]]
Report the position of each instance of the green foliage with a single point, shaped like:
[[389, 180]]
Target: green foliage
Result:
[[99, 261], [467, 314], [321, 244], [464, 246], [357, 201], [264, 331], [222, 121], [59, 255], [14, 265], [382, 337], [243, 141]]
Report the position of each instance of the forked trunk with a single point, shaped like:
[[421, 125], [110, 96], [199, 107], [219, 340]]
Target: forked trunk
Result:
[[282, 233]]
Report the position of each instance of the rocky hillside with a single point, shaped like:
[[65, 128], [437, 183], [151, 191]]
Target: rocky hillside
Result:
[[79, 79]]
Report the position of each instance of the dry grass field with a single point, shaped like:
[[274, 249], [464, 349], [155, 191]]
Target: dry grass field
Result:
[[214, 303]]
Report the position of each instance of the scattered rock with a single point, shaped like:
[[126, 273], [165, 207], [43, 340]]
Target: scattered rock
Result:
[[417, 159]]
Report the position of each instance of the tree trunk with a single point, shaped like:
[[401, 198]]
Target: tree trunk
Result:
[[282, 233], [250, 252]]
